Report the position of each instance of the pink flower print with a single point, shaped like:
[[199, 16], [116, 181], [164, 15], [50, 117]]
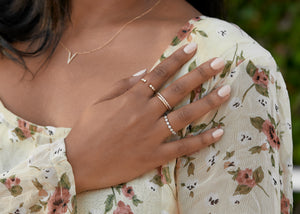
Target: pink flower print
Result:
[[123, 209], [184, 31], [10, 182], [128, 191], [285, 205], [260, 78], [197, 92], [161, 174], [24, 126], [264, 147], [244, 177], [198, 18], [57, 203], [269, 130]]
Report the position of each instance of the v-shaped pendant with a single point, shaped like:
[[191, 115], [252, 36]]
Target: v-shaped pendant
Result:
[[71, 57]]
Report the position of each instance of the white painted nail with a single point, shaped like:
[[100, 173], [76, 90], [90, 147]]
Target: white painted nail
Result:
[[218, 133], [190, 48], [140, 72], [224, 91], [217, 63]]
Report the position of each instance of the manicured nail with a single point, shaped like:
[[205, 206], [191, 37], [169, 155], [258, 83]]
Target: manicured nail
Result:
[[217, 63], [218, 133], [224, 91], [190, 48], [140, 72]]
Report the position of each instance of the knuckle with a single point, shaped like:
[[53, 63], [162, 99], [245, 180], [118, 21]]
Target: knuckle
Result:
[[129, 97], [161, 71], [184, 115], [206, 139], [178, 88], [177, 57], [123, 83], [203, 73], [211, 101], [182, 148]]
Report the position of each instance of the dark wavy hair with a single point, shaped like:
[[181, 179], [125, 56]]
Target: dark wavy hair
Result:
[[44, 22]]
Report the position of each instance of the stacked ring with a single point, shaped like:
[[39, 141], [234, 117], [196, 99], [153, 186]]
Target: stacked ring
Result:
[[150, 86], [169, 125], [164, 101]]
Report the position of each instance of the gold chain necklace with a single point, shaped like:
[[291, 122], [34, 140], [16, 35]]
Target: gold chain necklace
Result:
[[71, 55]]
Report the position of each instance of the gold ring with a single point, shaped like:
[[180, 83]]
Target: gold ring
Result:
[[164, 101], [150, 86]]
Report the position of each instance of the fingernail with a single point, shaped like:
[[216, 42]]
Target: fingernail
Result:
[[140, 72], [217, 63], [190, 48], [218, 133], [224, 91]]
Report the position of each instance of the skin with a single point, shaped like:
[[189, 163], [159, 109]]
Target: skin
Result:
[[107, 97]]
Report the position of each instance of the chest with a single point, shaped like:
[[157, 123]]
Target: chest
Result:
[[59, 93]]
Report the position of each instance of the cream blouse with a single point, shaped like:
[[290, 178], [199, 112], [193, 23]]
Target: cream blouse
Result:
[[248, 171]]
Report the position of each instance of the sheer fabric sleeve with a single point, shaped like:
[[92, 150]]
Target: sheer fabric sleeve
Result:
[[42, 182], [250, 169]]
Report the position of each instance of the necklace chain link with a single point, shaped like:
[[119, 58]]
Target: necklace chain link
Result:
[[71, 55]]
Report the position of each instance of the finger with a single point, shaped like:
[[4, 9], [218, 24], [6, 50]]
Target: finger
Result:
[[175, 92], [188, 145], [122, 86], [187, 114], [162, 72]]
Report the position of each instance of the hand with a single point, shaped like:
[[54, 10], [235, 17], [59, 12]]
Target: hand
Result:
[[121, 136]]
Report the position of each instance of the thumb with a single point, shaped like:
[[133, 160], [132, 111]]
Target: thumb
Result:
[[122, 86]]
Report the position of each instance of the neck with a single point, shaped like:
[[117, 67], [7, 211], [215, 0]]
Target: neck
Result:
[[90, 13]]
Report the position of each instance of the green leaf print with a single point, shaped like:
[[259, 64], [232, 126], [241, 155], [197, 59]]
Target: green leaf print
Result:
[[192, 66], [226, 68], [257, 122], [199, 127], [188, 159], [228, 155], [119, 187], [19, 133], [255, 149], [258, 175], [202, 33], [157, 180], [272, 160], [162, 57], [272, 120], [64, 181], [74, 204], [262, 90], [166, 173], [136, 201], [242, 190], [35, 208], [191, 169], [37, 184], [192, 194], [109, 202], [251, 68], [229, 64], [175, 41], [16, 190]]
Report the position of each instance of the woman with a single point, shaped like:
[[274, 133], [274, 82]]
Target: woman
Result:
[[118, 127]]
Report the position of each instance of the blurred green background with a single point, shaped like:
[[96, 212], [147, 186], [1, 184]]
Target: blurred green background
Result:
[[275, 24]]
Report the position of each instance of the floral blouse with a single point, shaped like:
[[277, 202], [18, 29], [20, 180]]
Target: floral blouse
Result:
[[248, 171]]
